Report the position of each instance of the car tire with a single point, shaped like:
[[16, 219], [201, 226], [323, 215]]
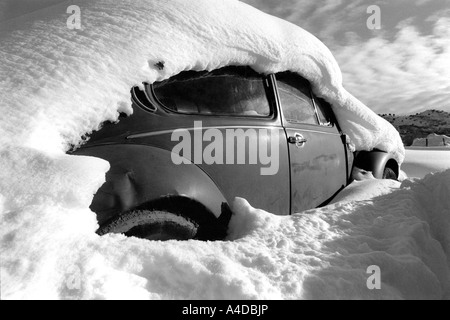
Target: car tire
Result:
[[152, 225], [170, 218], [388, 173]]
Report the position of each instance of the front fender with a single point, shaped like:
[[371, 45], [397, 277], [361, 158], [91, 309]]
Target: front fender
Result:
[[141, 173], [374, 161]]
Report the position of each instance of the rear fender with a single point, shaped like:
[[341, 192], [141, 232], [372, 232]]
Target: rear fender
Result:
[[141, 174]]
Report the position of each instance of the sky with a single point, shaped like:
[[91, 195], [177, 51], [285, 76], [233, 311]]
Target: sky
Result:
[[401, 68]]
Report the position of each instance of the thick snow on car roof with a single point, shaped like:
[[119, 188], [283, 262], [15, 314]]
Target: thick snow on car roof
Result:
[[62, 83]]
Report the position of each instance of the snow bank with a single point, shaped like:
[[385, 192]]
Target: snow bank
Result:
[[61, 83], [365, 186], [421, 161], [433, 140], [51, 251]]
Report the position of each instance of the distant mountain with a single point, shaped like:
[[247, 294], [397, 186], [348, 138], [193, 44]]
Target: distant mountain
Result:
[[420, 125]]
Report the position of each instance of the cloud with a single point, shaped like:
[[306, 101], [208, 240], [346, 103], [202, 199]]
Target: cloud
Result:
[[14, 8], [402, 68], [406, 75]]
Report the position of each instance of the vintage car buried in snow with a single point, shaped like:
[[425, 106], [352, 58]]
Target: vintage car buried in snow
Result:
[[199, 139]]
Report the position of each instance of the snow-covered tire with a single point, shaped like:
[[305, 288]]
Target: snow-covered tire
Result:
[[152, 225], [388, 173]]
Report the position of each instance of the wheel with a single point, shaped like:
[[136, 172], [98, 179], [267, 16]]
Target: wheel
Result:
[[170, 218], [152, 225], [388, 173]]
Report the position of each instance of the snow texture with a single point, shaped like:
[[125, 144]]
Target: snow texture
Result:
[[63, 83], [51, 251], [58, 84], [422, 161]]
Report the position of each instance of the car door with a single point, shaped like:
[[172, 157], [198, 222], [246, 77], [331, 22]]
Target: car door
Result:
[[318, 168], [235, 131]]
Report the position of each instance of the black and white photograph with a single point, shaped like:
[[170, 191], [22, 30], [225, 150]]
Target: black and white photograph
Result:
[[224, 155]]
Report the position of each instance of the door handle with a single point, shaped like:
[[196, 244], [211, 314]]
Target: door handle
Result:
[[298, 140]]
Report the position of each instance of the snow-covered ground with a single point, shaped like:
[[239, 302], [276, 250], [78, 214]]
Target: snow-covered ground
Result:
[[51, 251], [423, 160], [49, 248], [57, 84]]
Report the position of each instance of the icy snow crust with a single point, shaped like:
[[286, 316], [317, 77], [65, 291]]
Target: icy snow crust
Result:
[[58, 84]]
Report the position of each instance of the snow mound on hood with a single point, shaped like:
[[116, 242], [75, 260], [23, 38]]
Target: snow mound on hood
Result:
[[63, 83]]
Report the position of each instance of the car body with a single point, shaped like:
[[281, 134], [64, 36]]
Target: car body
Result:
[[314, 159]]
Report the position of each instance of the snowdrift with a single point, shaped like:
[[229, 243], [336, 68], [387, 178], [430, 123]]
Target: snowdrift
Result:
[[49, 249]]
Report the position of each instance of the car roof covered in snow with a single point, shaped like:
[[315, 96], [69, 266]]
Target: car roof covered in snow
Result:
[[77, 78]]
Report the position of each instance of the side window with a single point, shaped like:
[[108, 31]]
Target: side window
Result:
[[324, 112], [230, 91], [295, 98]]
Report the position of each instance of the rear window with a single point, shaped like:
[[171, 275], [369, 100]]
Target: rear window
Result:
[[231, 91]]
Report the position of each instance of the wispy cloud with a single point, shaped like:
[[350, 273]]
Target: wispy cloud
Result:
[[402, 68], [408, 74]]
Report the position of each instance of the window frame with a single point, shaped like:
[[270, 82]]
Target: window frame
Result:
[[312, 97], [329, 124], [265, 79]]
